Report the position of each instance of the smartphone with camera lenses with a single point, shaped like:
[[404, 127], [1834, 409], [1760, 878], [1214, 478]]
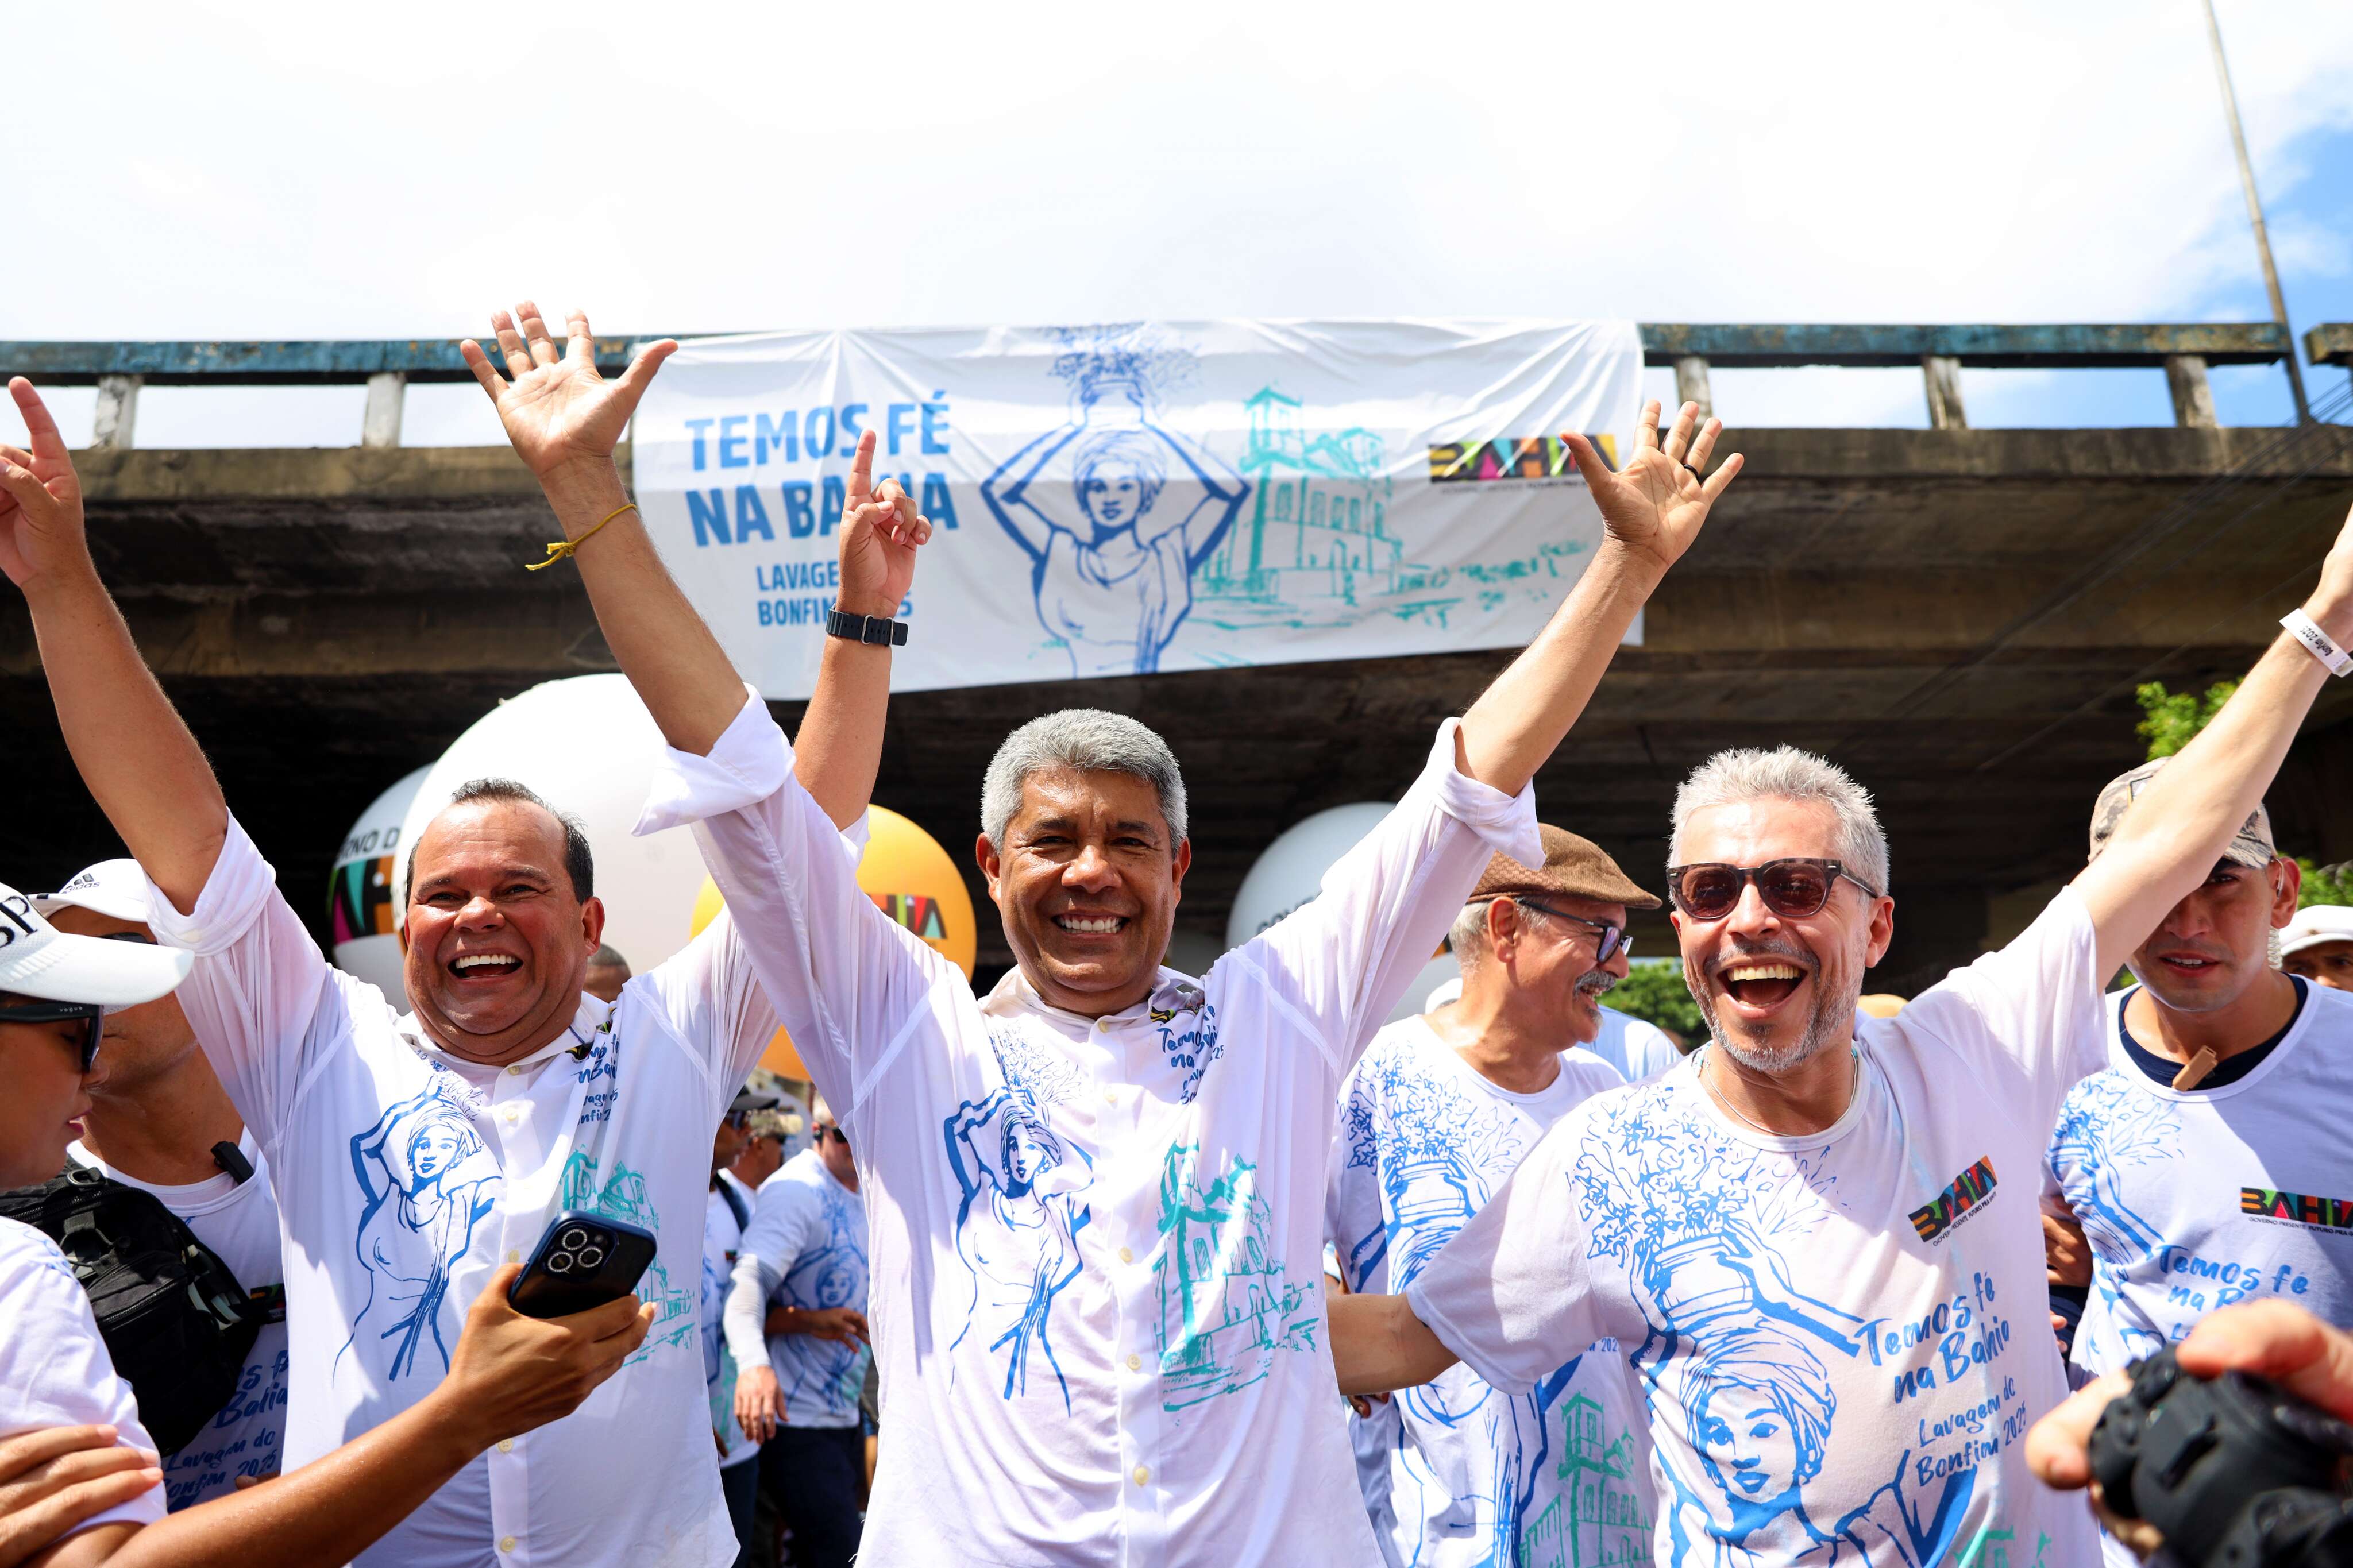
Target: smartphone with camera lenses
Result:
[[582, 1260]]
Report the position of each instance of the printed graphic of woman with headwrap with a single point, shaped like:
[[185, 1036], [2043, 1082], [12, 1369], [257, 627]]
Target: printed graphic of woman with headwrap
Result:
[[428, 1179], [1113, 560], [1016, 1228]]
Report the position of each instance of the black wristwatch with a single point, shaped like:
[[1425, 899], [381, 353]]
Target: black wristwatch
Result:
[[865, 628]]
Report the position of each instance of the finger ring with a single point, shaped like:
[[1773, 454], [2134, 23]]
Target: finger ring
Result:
[[1694, 473]]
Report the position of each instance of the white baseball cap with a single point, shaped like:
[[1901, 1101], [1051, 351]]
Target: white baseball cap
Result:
[[115, 889], [38, 960], [2313, 926]]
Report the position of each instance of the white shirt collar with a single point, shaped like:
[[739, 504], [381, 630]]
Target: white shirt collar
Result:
[[1172, 992], [578, 1036]]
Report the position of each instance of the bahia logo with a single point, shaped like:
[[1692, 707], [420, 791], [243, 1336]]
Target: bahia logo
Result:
[[1967, 1193]]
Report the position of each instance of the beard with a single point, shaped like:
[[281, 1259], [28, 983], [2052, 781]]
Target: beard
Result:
[[1822, 1030]]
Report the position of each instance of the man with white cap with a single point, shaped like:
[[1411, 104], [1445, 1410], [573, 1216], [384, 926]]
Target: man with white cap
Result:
[[1433, 1121], [82, 1473], [159, 1120], [412, 1154], [2317, 945], [2207, 1163]]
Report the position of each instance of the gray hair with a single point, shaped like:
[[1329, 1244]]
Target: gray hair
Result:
[[1467, 936], [1785, 773], [1091, 741]]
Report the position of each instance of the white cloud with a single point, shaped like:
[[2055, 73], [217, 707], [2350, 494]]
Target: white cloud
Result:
[[314, 171]]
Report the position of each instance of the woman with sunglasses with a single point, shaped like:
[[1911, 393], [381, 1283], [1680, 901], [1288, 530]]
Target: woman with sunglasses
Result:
[[80, 1478]]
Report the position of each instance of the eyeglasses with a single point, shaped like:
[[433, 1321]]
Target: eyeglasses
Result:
[[1612, 942], [1793, 888], [91, 1017], [834, 1132]]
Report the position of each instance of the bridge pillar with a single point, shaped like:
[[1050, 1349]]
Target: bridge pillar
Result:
[[1690, 385], [1944, 375], [118, 410], [380, 425], [2193, 397]]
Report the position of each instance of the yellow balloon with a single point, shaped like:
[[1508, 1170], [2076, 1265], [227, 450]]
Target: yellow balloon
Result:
[[911, 879]]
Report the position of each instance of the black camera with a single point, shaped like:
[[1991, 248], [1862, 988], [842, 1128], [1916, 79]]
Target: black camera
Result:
[[2234, 1471]]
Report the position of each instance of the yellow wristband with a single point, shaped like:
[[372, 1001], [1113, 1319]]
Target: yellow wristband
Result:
[[561, 548]]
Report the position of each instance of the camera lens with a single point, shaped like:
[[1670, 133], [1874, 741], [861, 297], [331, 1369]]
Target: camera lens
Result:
[[559, 1263], [573, 1240], [591, 1255]]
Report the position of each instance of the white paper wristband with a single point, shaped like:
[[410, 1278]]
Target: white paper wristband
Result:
[[2319, 644]]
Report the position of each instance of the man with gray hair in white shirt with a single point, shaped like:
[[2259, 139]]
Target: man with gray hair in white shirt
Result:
[[1094, 1195], [1821, 1236]]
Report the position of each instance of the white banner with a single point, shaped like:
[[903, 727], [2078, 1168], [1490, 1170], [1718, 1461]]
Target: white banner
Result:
[[1159, 496]]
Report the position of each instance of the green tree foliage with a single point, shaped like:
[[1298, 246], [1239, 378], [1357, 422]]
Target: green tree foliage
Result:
[[1656, 994], [2325, 884], [2174, 717]]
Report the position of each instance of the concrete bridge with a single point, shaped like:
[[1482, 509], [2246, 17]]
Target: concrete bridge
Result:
[[1959, 616]]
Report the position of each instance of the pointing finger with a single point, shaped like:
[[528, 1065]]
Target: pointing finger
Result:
[[861, 470]]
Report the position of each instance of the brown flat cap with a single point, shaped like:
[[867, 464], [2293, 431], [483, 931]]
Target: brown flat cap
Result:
[[1572, 866]]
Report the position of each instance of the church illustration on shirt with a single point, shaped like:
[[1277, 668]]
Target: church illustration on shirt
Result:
[[1226, 1302], [1597, 1518]]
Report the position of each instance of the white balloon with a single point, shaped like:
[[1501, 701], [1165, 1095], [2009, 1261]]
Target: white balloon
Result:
[[1290, 872], [586, 745], [361, 898]]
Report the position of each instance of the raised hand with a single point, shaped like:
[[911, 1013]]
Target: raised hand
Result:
[[41, 497], [880, 531], [1654, 506], [556, 408]]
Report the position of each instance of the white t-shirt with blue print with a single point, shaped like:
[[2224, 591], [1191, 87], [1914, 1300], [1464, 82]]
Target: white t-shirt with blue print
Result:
[[2195, 1199], [1842, 1335], [805, 1249], [1558, 1476]]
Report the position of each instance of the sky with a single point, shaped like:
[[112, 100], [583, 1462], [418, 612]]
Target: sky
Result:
[[256, 171]]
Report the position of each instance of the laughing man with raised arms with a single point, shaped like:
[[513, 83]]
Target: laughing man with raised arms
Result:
[[1822, 1241], [1095, 1194]]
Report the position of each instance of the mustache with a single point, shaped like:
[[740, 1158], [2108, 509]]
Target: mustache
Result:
[[1597, 983]]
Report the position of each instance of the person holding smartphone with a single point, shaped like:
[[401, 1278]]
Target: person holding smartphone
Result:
[[413, 1153], [79, 1480]]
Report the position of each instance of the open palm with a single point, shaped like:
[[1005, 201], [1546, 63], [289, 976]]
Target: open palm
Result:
[[40, 496], [555, 406], [1657, 502]]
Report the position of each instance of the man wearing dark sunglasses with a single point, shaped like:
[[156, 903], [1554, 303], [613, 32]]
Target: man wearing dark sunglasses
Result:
[[1821, 1239], [1433, 1120]]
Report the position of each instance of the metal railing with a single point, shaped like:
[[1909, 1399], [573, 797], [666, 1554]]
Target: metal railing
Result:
[[2184, 351]]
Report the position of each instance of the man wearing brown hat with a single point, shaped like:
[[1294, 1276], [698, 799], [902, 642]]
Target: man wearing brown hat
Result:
[[2188, 1160], [1434, 1118]]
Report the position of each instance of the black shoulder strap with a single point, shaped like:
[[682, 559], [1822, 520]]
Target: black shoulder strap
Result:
[[735, 1203]]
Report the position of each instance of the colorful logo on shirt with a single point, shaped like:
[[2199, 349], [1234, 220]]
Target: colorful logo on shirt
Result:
[[2334, 1213], [1969, 1190]]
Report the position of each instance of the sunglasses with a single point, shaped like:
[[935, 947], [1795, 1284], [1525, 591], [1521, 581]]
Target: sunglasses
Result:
[[738, 1120], [1612, 942], [89, 1014], [834, 1132], [1792, 888]]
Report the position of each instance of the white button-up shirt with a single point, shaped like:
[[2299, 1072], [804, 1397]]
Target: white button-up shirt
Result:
[[1095, 1242], [404, 1176]]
